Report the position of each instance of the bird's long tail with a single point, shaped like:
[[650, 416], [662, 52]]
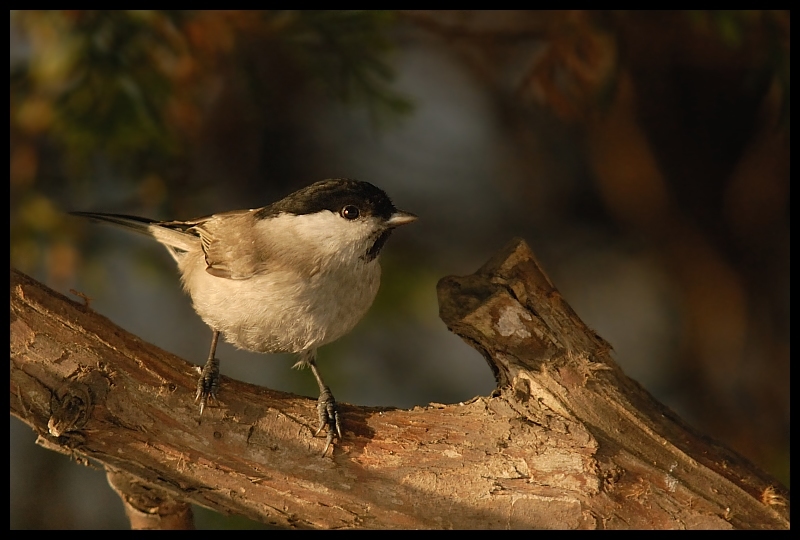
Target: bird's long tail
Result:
[[174, 235]]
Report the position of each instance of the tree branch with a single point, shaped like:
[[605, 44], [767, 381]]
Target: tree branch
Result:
[[566, 441]]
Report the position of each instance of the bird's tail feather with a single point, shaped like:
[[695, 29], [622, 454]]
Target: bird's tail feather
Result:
[[173, 235]]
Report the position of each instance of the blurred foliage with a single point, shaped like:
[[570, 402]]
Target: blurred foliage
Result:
[[134, 84], [127, 93], [344, 51], [577, 72], [573, 58], [736, 28]]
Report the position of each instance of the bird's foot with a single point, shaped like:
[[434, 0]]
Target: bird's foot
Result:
[[207, 384], [328, 416]]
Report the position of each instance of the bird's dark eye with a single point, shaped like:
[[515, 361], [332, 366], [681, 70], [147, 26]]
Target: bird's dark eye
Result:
[[350, 212]]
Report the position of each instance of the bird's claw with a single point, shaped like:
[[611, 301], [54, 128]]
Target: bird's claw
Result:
[[328, 416], [207, 384]]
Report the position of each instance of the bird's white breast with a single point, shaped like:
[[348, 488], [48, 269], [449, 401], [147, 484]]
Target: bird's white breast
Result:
[[293, 307]]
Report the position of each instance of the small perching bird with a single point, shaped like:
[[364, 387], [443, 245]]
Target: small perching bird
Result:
[[288, 277]]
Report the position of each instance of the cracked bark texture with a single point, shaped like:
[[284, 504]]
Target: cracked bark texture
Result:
[[566, 441]]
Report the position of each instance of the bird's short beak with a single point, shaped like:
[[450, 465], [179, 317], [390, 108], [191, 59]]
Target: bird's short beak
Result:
[[400, 218]]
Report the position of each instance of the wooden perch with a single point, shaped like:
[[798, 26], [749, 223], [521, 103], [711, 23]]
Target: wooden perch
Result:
[[566, 441]]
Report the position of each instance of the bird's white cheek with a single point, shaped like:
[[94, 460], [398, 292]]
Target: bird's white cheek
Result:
[[324, 235]]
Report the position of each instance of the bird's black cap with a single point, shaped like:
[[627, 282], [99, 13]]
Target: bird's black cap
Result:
[[333, 195]]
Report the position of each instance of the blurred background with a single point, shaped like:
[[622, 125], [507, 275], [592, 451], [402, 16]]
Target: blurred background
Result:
[[644, 156]]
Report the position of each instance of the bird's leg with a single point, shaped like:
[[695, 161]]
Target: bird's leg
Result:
[[208, 383], [326, 406]]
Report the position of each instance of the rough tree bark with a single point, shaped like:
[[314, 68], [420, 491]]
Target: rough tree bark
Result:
[[566, 441]]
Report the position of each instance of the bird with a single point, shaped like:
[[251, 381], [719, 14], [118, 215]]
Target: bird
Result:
[[288, 277]]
